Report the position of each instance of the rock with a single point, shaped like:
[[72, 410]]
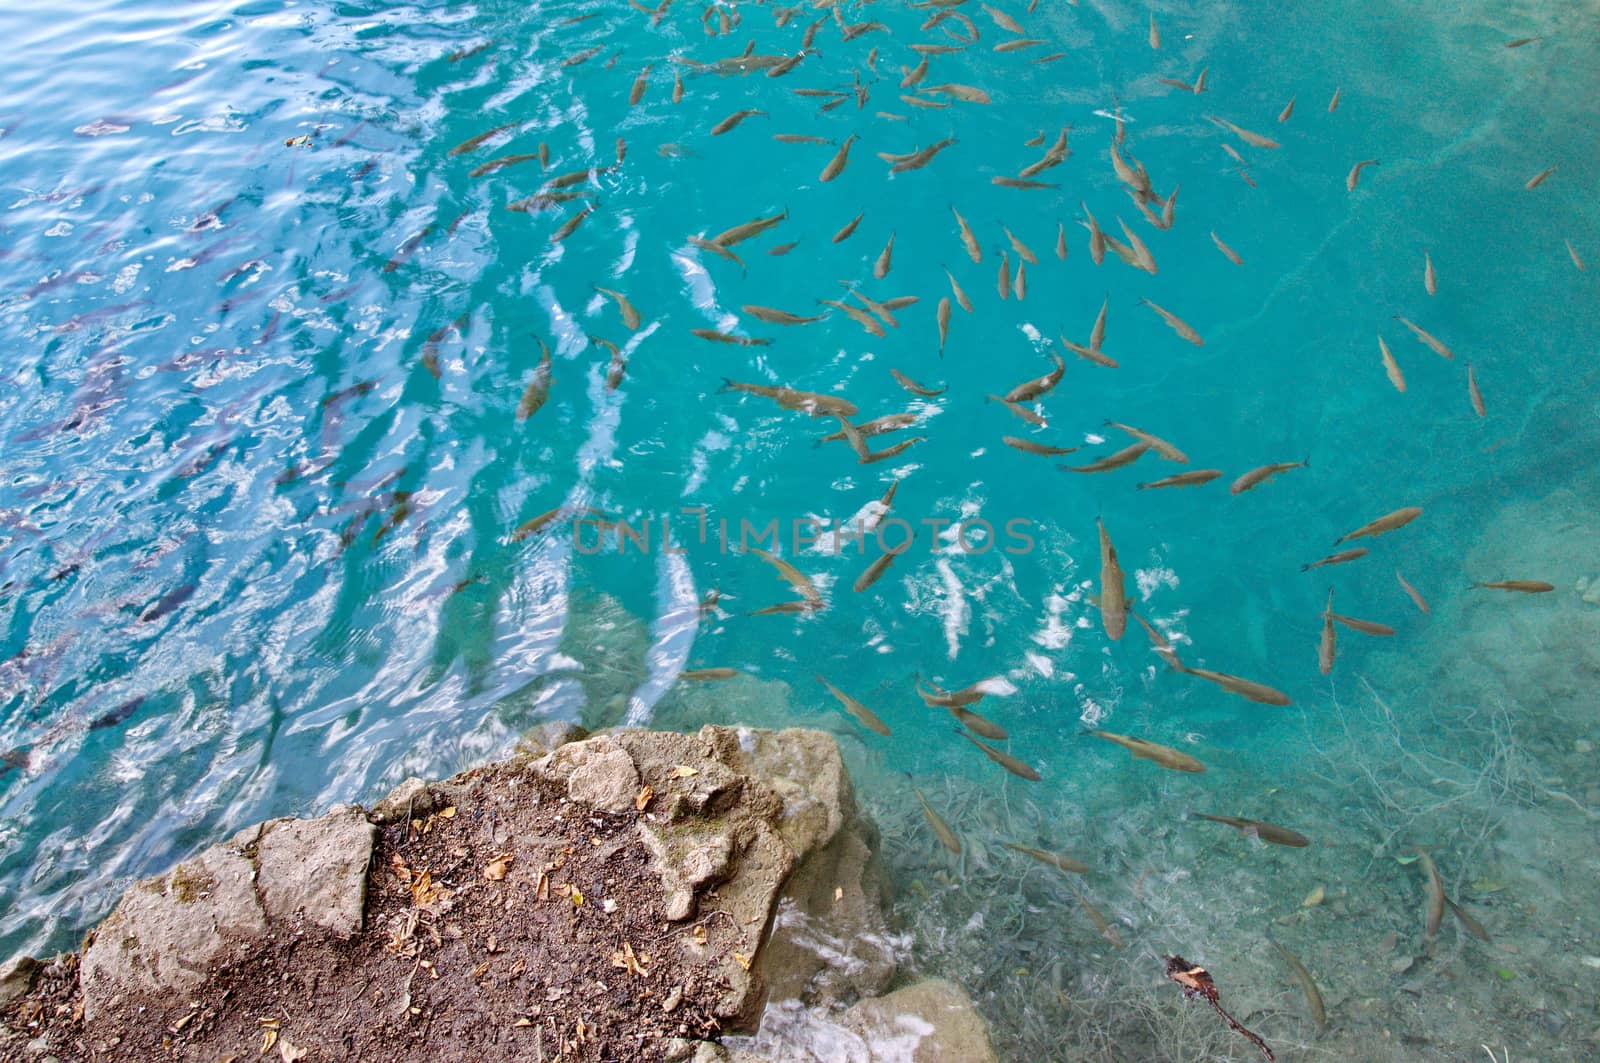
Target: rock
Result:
[[317, 869], [167, 932], [929, 1022], [596, 772], [16, 977], [410, 799]]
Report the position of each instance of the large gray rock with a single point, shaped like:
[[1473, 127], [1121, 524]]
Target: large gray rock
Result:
[[16, 977], [317, 869], [929, 1022]]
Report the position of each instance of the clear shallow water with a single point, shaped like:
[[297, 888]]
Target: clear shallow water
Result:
[[189, 301]]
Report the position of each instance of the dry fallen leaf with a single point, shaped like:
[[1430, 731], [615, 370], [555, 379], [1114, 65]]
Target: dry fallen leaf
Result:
[[289, 1052], [498, 866], [683, 771], [448, 812], [645, 794], [742, 960]]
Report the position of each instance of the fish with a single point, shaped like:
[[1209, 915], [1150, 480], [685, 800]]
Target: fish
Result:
[[1473, 927], [941, 829], [1003, 281], [1029, 390], [1267, 832], [1333, 104], [1021, 411], [1366, 627], [874, 571], [961, 296], [977, 724], [1183, 479], [1196, 88], [918, 101], [863, 715], [788, 64], [1005, 760], [787, 609], [1142, 258], [964, 93], [1107, 931], [630, 316], [705, 674], [1328, 647], [1052, 57], [474, 142], [1017, 182], [890, 452], [914, 387], [1156, 443], [1433, 908], [783, 249], [677, 87], [1474, 394], [1577, 259], [1020, 248], [1028, 446], [850, 227], [640, 83], [974, 249], [1539, 178], [797, 579], [571, 225], [1097, 238], [876, 427], [880, 268], [1288, 109], [1160, 642], [1520, 41], [1059, 861], [725, 337], [1158, 754], [529, 528], [1001, 19], [840, 160], [167, 603], [1097, 333], [121, 714], [1354, 176], [1256, 477], [1386, 523], [619, 362], [799, 138], [914, 75], [1319, 1013], [1176, 323], [1248, 689], [538, 389], [1019, 44], [1412, 592], [746, 230], [1125, 456], [945, 699], [778, 317], [1113, 587], [943, 317], [1255, 140], [1391, 367], [1430, 280], [1521, 586], [541, 201], [501, 163], [1433, 342], [856, 314], [1155, 34], [917, 159], [791, 399], [1061, 240], [1337, 559]]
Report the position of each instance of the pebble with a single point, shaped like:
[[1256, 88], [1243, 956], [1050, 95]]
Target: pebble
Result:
[[1314, 898], [1583, 745]]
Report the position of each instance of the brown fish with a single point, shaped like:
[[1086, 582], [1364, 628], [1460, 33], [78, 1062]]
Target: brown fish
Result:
[[1539, 178], [1125, 456], [1005, 760], [974, 250], [1107, 931], [1354, 176], [1020, 248], [1248, 689], [1337, 559], [501, 163], [1390, 366], [856, 314], [783, 249], [1472, 926], [1433, 909], [914, 387], [1059, 861], [942, 315], [630, 316], [955, 288], [538, 389], [880, 268], [1232, 255], [1003, 282], [945, 699], [1577, 259], [1474, 394], [1427, 337], [874, 571], [1183, 479], [850, 227], [941, 829], [746, 230], [726, 337], [964, 93], [1366, 627], [1386, 523], [1001, 19], [1032, 389], [1097, 238], [876, 427], [640, 83], [797, 579], [1156, 443], [1061, 240], [1017, 182], [1328, 647], [1319, 1013], [1159, 754], [840, 160], [571, 225], [1520, 41], [1430, 280], [704, 674], [1028, 446], [915, 75], [1113, 587], [800, 138], [1521, 586], [791, 399], [1255, 140], [1412, 592], [1258, 476], [1159, 642], [1267, 832], [474, 142], [1288, 109], [1176, 323], [863, 715], [1333, 104], [977, 724], [916, 160], [890, 452], [529, 528], [778, 317]]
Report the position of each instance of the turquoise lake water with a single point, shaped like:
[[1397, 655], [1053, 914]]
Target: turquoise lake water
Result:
[[267, 337]]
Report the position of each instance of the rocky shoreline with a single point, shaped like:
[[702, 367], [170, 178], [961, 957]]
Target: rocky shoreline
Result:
[[635, 895]]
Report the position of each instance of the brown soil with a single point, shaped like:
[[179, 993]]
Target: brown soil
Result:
[[513, 925]]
